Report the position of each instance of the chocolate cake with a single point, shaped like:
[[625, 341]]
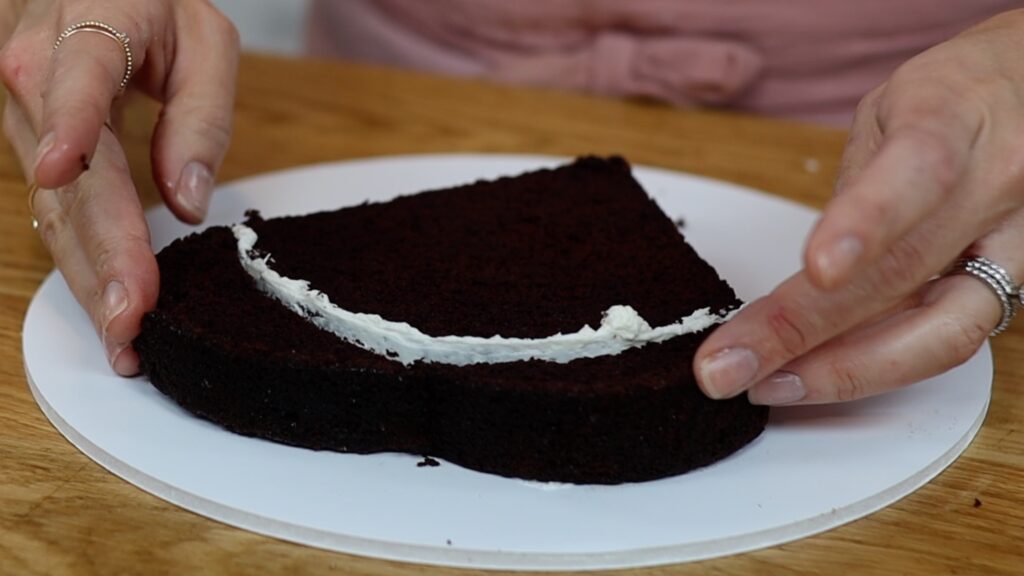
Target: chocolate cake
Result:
[[530, 256]]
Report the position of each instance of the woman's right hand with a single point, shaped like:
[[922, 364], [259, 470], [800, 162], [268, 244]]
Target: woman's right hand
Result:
[[60, 102]]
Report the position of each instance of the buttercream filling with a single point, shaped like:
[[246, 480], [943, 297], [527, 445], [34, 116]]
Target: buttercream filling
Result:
[[621, 327]]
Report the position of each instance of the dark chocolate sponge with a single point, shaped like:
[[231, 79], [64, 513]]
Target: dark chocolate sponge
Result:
[[529, 256]]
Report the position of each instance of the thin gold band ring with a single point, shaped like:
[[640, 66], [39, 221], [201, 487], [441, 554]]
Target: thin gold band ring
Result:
[[109, 31], [32, 189]]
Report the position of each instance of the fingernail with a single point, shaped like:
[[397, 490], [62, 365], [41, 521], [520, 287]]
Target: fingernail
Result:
[[125, 362], [835, 261], [779, 388], [728, 372], [113, 350], [115, 301], [194, 187], [45, 145]]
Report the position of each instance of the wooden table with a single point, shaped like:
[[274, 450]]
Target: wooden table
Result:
[[62, 513]]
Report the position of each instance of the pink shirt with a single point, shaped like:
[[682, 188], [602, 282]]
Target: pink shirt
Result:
[[807, 59]]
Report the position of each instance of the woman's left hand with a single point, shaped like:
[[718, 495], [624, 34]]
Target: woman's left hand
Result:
[[933, 169]]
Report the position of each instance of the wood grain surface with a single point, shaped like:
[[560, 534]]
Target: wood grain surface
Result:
[[60, 513]]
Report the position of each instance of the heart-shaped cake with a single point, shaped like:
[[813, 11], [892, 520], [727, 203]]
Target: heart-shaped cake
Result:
[[540, 326]]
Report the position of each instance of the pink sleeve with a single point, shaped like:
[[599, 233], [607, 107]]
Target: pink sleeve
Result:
[[808, 59]]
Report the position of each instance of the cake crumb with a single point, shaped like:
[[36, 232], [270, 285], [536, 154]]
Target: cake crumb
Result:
[[812, 165], [679, 222], [977, 503], [427, 461]]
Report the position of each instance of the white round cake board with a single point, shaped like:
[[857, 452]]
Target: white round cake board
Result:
[[813, 469]]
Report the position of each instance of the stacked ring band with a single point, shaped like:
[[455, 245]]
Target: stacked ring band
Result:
[[109, 31], [998, 280]]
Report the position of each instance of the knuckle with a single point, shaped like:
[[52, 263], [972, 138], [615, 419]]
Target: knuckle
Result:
[[1015, 165], [206, 123], [225, 28], [919, 98], [900, 269], [77, 106], [963, 339], [108, 251], [15, 66], [874, 209], [868, 105], [915, 91], [849, 382], [788, 330], [233, 36], [53, 226], [126, 19], [936, 156], [216, 132]]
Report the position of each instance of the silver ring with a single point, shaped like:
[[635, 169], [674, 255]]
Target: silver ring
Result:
[[109, 31], [998, 280]]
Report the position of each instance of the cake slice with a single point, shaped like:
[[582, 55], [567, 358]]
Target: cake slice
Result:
[[524, 258]]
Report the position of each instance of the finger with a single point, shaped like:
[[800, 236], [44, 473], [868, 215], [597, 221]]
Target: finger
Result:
[[195, 127], [933, 330], [955, 318], [96, 231], [916, 169], [110, 225], [59, 237], [798, 316], [19, 132], [863, 141], [22, 69], [913, 173], [85, 75], [53, 225], [61, 240]]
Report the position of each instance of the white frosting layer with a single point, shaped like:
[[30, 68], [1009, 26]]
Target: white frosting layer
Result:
[[621, 327]]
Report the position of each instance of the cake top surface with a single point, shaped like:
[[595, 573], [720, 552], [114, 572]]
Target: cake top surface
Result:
[[529, 256], [524, 257]]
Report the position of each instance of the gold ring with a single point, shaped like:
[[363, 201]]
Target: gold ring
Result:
[[109, 31], [32, 189]]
